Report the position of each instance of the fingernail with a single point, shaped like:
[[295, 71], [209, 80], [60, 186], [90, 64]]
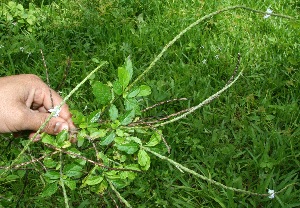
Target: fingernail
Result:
[[65, 126], [56, 127], [60, 126], [37, 138]]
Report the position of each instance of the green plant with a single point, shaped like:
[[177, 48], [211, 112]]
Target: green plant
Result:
[[112, 141], [15, 18]]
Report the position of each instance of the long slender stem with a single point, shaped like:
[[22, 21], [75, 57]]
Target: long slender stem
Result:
[[62, 181], [206, 101], [119, 195], [47, 78], [185, 169], [193, 25]]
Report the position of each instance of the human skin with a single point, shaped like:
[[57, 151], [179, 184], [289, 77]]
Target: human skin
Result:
[[24, 103]]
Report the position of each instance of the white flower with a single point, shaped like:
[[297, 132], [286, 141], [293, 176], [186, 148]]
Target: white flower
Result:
[[204, 61], [22, 49], [217, 56], [272, 193], [268, 12], [14, 23], [56, 111]]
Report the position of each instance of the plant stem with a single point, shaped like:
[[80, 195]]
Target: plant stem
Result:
[[119, 195], [206, 101], [62, 182], [190, 27], [183, 168]]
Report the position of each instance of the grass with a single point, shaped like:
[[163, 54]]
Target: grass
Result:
[[248, 138]]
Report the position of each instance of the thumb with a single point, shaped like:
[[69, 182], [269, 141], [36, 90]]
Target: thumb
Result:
[[54, 126]]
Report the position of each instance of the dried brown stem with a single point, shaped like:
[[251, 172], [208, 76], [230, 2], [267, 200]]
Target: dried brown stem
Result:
[[112, 199], [96, 151], [180, 113], [29, 162], [162, 103], [236, 69], [66, 72], [47, 77]]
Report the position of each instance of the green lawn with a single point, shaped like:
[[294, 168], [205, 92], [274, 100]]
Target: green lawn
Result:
[[248, 138]]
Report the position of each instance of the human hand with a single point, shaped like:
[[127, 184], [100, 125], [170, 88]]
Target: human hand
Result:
[[24, 104]]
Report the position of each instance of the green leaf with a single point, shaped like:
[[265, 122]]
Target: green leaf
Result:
[[70, 183], [144, 90], [48, 139], [12, 177], [132, 104], [21, 173], [119, 183], [127, 175], [154, 140], [119, 140], [128, 67], [66, 144], [117, 86], [49, 163], [102, 187], [95, 60], [135, 139], [102, 93], [72, 170], [113, 112], [129, 148], [133, 167], [81, 137], [77, 117], [127, 117], [269, 117], [120, 132], [99, 133], [49, 190], [94, 116], [104, 158], [133, 93], [61, 138], [107, 140], [115, 124], [143, 157], [124, 77], [93, 180], [74, 150], [52, 175], [30, 20]]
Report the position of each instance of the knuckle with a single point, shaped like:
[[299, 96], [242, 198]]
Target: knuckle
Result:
[[33, 77]]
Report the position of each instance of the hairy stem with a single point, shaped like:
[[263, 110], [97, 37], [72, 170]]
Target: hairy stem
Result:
[[206, 101], [185, 169], [119, 195], [62, 181], [193, 25]]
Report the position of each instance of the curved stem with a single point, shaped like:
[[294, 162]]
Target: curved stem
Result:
[[185, 169], [206, 101], [193, 25]]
